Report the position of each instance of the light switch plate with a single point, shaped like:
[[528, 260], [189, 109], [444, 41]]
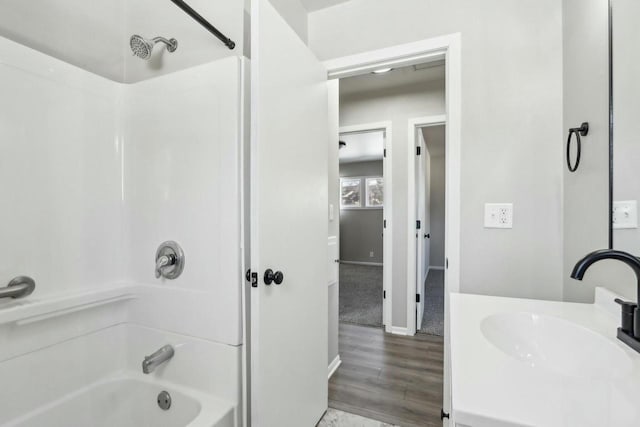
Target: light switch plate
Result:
[[331, 214], [498, 215], [625, 214]]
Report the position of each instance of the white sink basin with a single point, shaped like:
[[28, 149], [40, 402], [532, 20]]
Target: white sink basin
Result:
[[555, 344]]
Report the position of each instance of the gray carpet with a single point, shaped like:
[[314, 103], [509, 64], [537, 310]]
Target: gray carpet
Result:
[[433, 317], [361, 294]]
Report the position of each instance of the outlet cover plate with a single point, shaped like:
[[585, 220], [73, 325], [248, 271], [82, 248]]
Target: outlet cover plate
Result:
[[625, 214], [498, 215]]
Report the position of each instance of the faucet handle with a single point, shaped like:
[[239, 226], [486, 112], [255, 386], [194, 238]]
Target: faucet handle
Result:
[[628, 314], [162, 262], [626, 304], [169, 260]]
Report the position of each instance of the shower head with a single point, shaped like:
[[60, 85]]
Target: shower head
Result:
[[142, 47]]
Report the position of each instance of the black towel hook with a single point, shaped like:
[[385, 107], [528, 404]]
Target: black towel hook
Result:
[[583, 130]]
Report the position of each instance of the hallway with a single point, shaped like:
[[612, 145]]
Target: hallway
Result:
[[390, 378]]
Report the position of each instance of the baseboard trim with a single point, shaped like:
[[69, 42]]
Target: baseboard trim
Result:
[[396, 330], [436, 268], [334, 365], [378, 264]]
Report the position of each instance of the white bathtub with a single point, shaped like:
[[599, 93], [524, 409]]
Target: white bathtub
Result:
[[96, 379], [129, 401]]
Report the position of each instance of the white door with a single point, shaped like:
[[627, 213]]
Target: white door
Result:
[[421, 231], [386, 259], [426, 235], [289, 137]]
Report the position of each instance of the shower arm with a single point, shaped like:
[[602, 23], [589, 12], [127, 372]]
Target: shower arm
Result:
[[171, 44], [206, 24]]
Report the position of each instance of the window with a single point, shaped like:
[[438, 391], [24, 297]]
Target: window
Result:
[[375, 192], [350, 192]]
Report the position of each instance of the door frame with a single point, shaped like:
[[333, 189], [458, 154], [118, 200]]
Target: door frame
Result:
[[412, 286], [387, 239], [447, 47]]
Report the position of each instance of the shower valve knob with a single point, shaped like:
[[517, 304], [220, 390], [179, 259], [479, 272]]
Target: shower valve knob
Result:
[[169, 260]]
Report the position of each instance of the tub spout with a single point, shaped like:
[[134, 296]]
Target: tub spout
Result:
[[150, 363]]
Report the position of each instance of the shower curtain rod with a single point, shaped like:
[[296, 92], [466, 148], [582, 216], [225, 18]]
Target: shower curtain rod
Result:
[[206, 24]]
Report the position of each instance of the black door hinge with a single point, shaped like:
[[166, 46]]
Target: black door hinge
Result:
[[417, 297], [384, 153], [446, 263], [417, 151], [443, 414], [384, 294], [384, 223], [418, 225]]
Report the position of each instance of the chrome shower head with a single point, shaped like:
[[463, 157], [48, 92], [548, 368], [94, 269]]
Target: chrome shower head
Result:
[[142, 47]]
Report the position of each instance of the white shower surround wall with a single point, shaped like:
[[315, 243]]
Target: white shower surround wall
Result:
[[96, 174]]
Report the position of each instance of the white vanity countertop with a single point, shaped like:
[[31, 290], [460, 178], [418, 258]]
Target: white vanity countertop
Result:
[[492, 388]]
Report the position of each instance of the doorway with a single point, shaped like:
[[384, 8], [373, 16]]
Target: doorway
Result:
[[430, 223], [445, 49], [395, 95], [362, 217]]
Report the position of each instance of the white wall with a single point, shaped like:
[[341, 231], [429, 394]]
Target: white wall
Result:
[[109, 171], [397, 105], [60, 168], [437, 210], [181, 165], [292, 11], [295, 14], [512, 135]]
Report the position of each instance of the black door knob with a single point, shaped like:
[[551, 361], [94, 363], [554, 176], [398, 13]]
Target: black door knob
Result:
[[427, 236], [270, 277]]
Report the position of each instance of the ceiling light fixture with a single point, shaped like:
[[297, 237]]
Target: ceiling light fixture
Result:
[[382, 70]]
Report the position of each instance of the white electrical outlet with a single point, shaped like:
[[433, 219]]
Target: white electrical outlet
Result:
[[371, 254], [498, 215], [331, 212], [625, 214]]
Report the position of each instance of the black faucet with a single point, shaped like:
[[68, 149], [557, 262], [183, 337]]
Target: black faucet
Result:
[[629, 332]]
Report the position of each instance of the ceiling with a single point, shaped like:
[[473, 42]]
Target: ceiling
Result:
[[94, 35], [394, 79], [434, 137], [88, 34], [362, 147], [313, 5]]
